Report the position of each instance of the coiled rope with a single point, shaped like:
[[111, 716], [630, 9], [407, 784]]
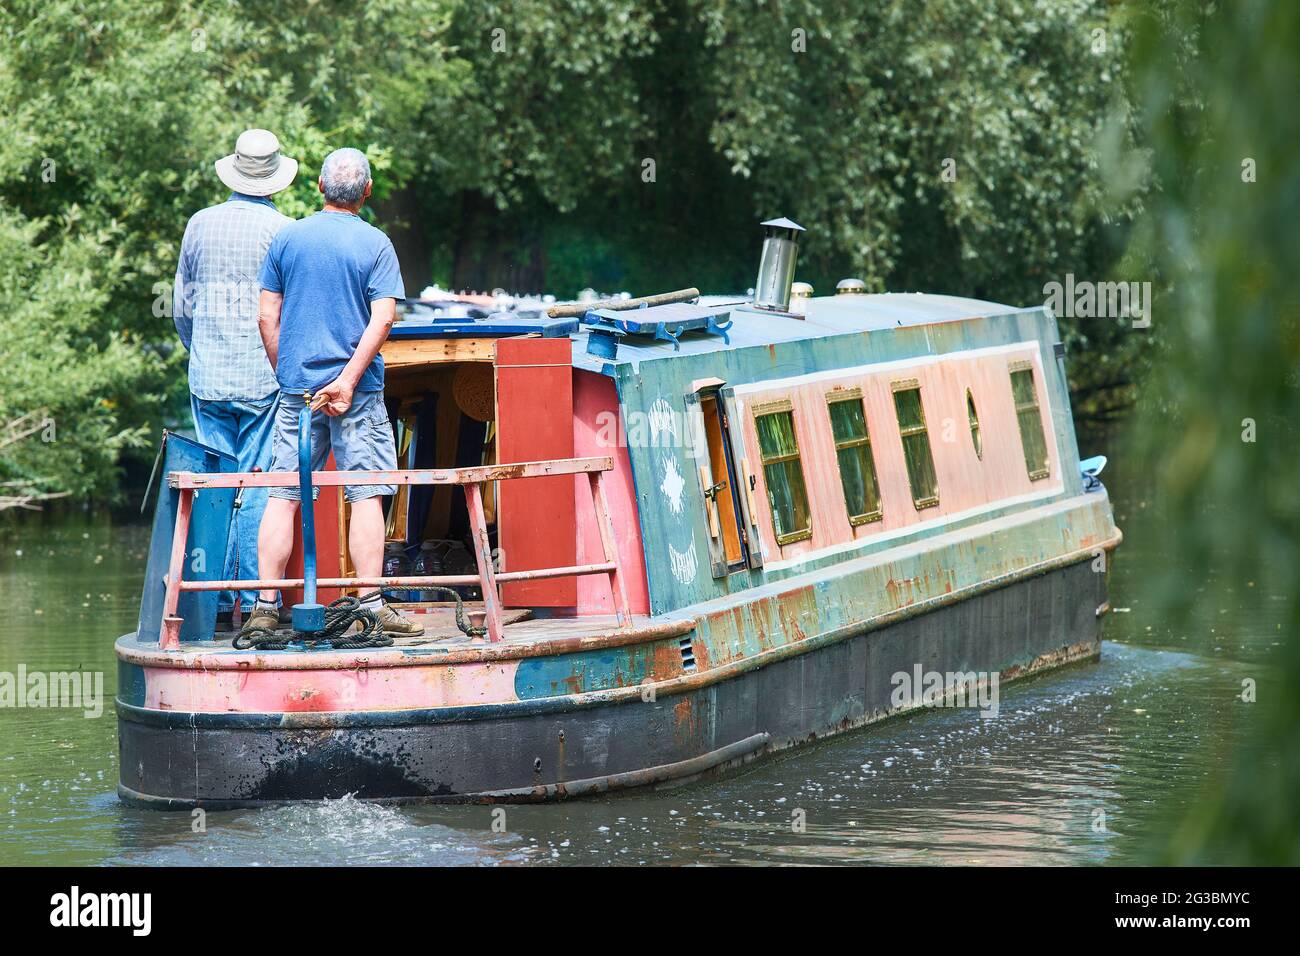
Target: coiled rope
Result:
[[340, 615]]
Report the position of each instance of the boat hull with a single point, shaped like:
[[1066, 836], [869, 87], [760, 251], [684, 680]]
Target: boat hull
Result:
[[554, 747]]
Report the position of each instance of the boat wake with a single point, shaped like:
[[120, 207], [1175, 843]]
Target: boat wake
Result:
[[329, 833]]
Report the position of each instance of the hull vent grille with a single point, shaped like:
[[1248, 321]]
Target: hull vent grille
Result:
[[688, 654]]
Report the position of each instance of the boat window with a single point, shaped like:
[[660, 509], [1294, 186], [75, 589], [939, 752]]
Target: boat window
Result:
[[916, 444], [782, 472], [724, 508], [853, 454], [1030, 417], [974, 426]]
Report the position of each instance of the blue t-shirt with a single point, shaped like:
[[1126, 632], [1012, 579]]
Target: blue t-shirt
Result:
[[329, 267]]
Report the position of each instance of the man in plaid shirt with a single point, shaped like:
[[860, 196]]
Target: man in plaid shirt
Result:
[[233, 391]]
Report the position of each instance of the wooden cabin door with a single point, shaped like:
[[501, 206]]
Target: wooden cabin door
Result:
[[536, 520]]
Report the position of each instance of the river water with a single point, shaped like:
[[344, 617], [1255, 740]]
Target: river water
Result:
[[1090, 764]]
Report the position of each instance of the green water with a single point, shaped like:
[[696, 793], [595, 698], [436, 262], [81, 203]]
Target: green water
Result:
[[1127, 743]]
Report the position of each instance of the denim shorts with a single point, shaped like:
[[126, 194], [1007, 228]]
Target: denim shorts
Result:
[[361, 439]]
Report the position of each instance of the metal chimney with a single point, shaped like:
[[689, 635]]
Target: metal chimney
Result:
[[776, 268]]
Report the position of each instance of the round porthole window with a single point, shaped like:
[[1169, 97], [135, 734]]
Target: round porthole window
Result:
[[974, 426]]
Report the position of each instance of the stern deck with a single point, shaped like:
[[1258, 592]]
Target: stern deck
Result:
[[522, 636]]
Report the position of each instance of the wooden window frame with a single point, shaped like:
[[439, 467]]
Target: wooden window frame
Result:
[[731, 406], [715, 514], [908, 385], [1024, 365], [834, 397], [776, 407]]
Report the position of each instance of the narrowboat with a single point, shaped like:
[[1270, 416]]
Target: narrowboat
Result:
[[649, 541]]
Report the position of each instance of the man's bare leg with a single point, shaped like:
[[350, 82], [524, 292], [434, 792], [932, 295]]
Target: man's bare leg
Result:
[[275, 541], [366, 544], [366, 537]]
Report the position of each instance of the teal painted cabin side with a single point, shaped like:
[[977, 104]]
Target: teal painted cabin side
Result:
[[840, 333]]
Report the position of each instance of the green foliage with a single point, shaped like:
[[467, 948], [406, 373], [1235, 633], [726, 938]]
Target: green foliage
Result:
[[947, 146], [550, 103], [1216, 86], [518, 136], [114, 115], [845, 116], [58, 367]]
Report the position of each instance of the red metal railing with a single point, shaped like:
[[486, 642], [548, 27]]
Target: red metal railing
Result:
[[470, 479]]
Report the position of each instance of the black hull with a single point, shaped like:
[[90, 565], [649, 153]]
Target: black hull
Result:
[[564, 747]]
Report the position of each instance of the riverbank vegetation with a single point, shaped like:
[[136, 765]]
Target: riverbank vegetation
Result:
[[947, 146], [1216, 419]]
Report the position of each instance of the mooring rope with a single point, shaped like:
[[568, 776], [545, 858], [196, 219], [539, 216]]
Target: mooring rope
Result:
[[340, 615]]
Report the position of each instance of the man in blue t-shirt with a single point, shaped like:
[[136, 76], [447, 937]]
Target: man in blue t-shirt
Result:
[[330, 285]]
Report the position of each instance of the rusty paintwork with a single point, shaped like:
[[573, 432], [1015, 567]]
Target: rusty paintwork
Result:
[[554, 748], [667, 377], [790, 648], [749, 629]]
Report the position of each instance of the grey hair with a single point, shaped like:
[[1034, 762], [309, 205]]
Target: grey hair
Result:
[[344, 175]]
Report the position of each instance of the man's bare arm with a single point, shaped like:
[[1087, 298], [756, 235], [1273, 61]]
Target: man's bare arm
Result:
[[268, 323], [336, 397]]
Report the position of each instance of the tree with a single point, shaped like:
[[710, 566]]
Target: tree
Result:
[[945, 146], [948, 145], [114, 115]]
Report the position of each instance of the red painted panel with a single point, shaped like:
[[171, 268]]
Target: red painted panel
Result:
[[536, 517], [327, 545], [595, 407]]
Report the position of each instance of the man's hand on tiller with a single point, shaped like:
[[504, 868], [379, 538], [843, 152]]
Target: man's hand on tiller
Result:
[[335, 398]]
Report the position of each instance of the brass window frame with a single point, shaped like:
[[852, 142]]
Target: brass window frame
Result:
[[833, 397], [777, 407], [973, 417], [771, 406], [909, 385], [1024, 365]]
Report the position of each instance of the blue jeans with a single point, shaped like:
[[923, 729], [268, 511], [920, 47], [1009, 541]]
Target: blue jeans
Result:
[[242, 429]]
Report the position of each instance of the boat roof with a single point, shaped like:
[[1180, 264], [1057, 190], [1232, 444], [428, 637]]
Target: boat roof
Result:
[[825, 316], [713, 324]]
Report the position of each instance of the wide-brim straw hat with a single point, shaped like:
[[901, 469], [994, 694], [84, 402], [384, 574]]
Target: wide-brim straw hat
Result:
[[256, 167]]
